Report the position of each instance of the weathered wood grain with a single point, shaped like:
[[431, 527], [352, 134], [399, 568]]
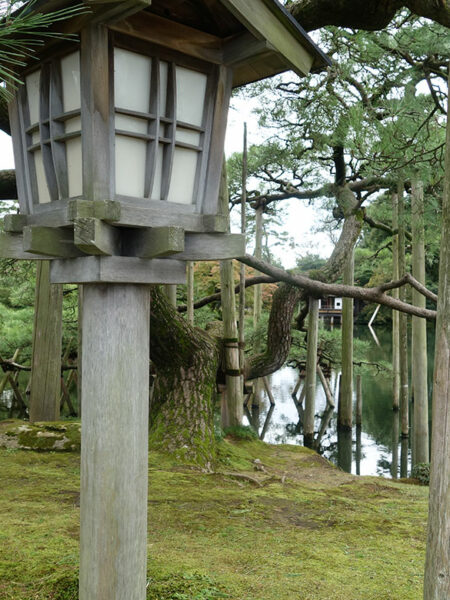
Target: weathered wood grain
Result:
[[50, 241], [46, 348], [118, 269], [210, 246], [14, 223], [92, 236], [153, 242], [11, 246], [114, 448]]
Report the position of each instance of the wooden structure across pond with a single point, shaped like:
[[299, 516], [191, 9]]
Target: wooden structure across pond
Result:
[[118, 140]]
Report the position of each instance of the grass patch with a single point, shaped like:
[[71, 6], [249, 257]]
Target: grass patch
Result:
[[304, 530]]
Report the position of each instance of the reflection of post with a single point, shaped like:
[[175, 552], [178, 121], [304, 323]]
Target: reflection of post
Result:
[[404, 457], [395, 436], [358, 450], [267, 422], [358, 401], [115, 441], [344, 458], [326, 387], [310, 380], [326, 418]]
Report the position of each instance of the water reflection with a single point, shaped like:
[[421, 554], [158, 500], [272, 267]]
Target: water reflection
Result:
[[373, 449]]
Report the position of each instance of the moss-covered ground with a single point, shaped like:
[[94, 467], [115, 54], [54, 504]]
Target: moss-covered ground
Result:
[[294, 529]]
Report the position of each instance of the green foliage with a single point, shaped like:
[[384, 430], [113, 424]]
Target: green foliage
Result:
[[240, 432], [421, 471]]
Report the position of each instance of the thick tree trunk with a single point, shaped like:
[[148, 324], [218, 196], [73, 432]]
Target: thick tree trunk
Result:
[[186, 361], [346, 392], [419, 331], [437, 568], [46, 353]]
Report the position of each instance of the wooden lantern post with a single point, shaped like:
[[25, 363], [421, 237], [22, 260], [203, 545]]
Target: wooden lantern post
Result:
[[118, 140]]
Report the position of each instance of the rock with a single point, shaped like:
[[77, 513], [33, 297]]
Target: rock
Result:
[[53, 436]]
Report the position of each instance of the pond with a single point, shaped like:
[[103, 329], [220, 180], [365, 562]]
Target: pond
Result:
[[373, 449]]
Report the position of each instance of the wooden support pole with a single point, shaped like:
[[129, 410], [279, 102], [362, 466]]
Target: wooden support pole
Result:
[[437, 567], [403, 321], [46, 350], [326, 387], [242, 266], [233, 412], [311, 369], [346, 395], [114, 451], [419, 330], [395, 313]]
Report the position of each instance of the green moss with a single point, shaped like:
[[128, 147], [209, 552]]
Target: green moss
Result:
[[240, 432], [54, 436], [215, 535]]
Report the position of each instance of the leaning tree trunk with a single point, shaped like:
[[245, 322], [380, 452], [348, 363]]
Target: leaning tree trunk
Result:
[[437, 569], [186, 361]]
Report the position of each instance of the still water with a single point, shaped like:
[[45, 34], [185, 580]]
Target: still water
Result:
[[373, 449]]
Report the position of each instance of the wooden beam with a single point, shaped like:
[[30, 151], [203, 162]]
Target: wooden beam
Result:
[[172, 35], [109, 11], [118, 269], [154, 242], [263, 23], [92, 236], [210, 246], [106, 210], [11, 246], [14, 223], [50, 241], [244, 47]]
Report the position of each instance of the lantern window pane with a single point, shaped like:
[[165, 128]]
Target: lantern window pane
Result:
[[72, 125], [74, 167], [187, 136], [43, 192], [157, 182], [32, 82], [131, 156], [132, 76], [132, 124], [191, 88], [70, 70], [184, 170]]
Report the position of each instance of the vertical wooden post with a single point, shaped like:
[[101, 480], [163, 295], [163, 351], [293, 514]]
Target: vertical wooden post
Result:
[[233, 412], [115, 385], [403, 320], [346, 394], [395, 313], [310, 380], [419, 330], [344, 458], [437, 567], [46, 353], [395, 436], [114, 450], [359, 401], [257, 297], [190, 292], [171, 292], [242, 266]]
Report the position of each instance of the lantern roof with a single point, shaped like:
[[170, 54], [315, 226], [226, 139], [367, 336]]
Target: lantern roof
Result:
[[258, 38]]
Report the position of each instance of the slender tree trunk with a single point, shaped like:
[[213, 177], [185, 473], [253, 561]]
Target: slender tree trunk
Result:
[[395, 313], [46, 353], [311, 367], [346, 394], [403, 320], [419, 331], [437, 568]]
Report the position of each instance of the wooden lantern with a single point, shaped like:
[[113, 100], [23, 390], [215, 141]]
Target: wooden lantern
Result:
[[118, 133]]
